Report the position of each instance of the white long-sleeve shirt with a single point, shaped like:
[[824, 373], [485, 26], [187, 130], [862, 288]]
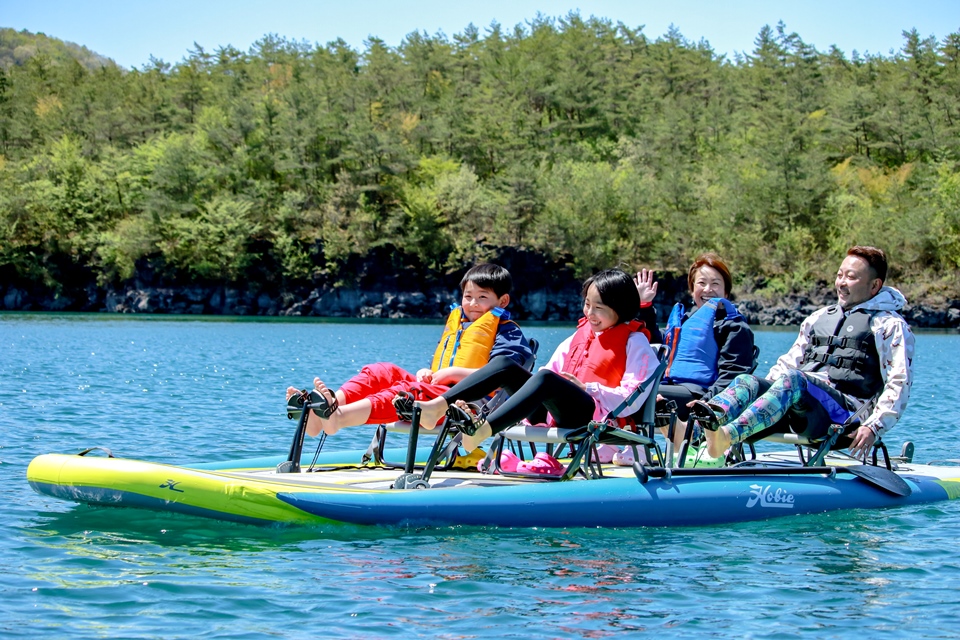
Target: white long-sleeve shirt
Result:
[[895, 346]]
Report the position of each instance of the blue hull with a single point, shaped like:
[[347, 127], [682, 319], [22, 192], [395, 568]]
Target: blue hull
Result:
[[620, 502], [250, 491]]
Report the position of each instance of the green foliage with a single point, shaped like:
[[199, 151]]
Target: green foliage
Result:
[[213, 245], [579, 138], [944, 201], [18, 47], [119, 248]]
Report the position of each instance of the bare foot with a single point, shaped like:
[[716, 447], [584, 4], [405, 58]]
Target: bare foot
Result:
[[679, 429], [432, 412], [469, 443], [717, 441], [316, 424]]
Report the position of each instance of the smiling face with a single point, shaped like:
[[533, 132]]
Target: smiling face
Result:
[[707, 284], [855, 282], [599, 315], [476, 301]]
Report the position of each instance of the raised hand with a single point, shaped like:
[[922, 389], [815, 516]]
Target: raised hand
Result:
[[646, 285]]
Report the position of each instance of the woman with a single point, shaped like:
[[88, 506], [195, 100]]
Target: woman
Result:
[[710, 344], [589, 374]]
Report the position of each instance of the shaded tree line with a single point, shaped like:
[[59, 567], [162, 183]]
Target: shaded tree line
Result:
[[582, 140]]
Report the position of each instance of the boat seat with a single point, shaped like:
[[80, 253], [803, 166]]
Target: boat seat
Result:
[[813, 440], [667, 416], [375, 451], [582, 441]]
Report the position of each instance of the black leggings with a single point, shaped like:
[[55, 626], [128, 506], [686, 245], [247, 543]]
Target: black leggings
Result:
[[531, 395], [681, 395]]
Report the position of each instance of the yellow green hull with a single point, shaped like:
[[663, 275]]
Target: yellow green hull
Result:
[[210, 493], [252, 491]]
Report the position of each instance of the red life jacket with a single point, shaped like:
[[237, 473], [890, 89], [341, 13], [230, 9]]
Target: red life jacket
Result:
[[600, 357]]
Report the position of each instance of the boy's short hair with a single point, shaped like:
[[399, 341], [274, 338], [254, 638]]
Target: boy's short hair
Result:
[[874, 257], [618, 291], [489, 276]]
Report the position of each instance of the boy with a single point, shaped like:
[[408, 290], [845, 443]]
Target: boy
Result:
[[476, 331]]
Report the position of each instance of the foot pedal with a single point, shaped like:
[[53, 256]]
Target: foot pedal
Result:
[[295, 404]]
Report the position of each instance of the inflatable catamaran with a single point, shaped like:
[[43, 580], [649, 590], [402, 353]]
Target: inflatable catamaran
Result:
[[430, 486]]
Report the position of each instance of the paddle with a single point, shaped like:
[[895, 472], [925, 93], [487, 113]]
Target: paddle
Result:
[[880, 477]]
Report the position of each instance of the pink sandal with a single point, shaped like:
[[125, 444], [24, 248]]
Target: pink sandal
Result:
[[625, 458], [508, 462], [543, 463], [605, 453]]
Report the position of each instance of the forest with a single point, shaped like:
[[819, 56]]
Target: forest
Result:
[[582, 140]]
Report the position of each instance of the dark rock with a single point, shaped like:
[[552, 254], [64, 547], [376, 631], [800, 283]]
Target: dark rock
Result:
[[266, 305], [195, 295], [388, 284], [953, 317], [14, 299]]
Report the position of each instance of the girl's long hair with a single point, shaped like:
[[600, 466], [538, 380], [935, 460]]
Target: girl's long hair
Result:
[[618, 291]]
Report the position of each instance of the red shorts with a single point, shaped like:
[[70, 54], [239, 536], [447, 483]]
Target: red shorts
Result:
[[380, 383]]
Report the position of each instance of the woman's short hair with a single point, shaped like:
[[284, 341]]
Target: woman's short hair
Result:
[[618, 291], [715, 261]]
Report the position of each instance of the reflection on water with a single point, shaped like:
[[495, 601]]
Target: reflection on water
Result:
[[186, 391]]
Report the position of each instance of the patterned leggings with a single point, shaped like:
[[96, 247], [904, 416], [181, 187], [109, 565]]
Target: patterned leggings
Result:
[[747, 410]]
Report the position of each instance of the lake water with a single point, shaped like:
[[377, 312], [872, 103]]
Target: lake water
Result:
[[185, 390]]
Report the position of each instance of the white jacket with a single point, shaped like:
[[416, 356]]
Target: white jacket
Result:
[[895, 345]]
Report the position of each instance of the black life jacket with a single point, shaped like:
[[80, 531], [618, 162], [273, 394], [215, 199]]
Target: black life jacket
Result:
[[846, 348]]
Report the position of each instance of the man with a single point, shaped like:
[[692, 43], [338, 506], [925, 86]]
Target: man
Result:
[[846, 355]]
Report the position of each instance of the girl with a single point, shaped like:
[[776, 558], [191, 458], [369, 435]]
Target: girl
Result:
[[589, 374]]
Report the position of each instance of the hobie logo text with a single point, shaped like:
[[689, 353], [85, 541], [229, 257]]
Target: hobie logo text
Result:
[[778, 499], [172, 485]]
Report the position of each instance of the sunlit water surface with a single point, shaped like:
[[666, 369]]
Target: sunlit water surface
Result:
[[183, 390]]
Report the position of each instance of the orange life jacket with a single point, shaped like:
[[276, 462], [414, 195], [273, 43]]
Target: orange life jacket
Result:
[[468, 346]]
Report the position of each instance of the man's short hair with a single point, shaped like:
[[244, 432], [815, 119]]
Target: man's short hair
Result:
[[875, 258], [489, 276]]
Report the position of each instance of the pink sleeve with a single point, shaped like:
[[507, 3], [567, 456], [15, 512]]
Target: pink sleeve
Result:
[[559, 356]]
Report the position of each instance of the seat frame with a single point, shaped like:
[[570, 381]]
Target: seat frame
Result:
[[812, 451], [375, 451], [582, 441]]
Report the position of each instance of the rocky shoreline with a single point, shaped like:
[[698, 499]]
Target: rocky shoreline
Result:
[[543, 303]]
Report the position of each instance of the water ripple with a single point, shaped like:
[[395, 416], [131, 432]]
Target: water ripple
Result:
[[178, 390]]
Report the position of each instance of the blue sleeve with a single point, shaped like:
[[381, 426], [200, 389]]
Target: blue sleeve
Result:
[[511, 342]]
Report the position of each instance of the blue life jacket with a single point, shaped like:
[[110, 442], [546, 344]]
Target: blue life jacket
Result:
[[693, 352]]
